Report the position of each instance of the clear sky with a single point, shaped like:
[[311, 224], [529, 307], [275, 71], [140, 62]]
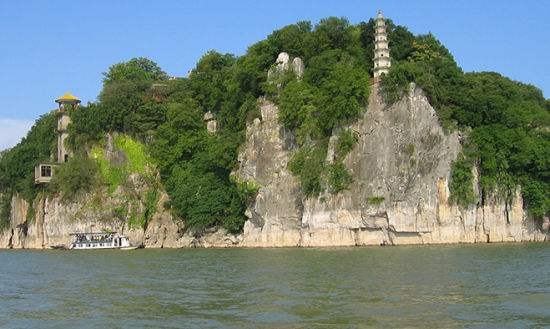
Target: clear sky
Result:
[[50, 47]]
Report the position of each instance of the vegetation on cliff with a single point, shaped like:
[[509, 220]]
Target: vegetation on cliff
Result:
[[157, 123]]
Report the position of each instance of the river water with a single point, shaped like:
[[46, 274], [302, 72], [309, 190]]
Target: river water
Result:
[[454, 286]]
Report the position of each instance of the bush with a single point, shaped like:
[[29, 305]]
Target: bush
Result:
[[346, 140], [375, 200], [339, 177], [537, 196], [136, 161], [461, 186], [308, 164], [112, 175], [204, 199], [5, 210], [17, 164], [74, 177]]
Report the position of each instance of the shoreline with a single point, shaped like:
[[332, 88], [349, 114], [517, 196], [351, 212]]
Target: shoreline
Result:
[[373, 246]]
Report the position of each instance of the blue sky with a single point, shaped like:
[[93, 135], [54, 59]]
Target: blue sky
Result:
[[50, 47]]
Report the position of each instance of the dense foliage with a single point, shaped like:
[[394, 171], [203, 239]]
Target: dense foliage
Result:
[[157, 122], [17, 164]]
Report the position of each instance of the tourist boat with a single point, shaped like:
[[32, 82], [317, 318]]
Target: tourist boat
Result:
[[110, 240]]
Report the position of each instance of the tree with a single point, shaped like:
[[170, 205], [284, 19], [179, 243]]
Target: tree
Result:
[[136, 69], [74, 177], [207, 80]]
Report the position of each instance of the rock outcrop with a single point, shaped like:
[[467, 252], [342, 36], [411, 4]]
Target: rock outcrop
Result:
[[283, 64], [275, 217], [54, 220], [401, 167]]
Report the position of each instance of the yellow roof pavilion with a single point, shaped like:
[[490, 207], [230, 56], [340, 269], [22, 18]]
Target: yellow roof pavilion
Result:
[[68, 98]]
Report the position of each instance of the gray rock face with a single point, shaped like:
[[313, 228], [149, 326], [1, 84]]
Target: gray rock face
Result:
[[211, 123], [55, 220], [401, 168], [276, 215]]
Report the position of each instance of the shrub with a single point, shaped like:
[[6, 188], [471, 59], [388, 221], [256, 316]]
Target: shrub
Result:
[[461, 186], [5, 210], [136, 161], [308, 164], [136, 154], [74, 177], [113, 175], [339, 177], [347, 138], [375, 200], [151, 200]]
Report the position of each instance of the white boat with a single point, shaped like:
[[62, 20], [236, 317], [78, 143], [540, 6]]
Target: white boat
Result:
[[92, 240]]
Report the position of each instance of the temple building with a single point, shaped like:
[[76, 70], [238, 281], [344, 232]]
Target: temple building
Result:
[[43, 172], [382, 61]]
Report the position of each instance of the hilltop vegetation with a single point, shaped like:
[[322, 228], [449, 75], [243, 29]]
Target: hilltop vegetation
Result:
[[159, 122]]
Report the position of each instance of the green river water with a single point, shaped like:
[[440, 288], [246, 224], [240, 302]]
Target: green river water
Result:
[[453, 286]]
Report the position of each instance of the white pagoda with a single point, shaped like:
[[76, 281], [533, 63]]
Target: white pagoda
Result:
[[382, 61]]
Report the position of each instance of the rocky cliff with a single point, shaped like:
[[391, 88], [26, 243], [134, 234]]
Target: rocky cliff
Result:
[[52, 220], [399, 195]]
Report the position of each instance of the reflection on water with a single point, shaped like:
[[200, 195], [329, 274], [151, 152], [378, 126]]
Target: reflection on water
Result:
[[474, 286]]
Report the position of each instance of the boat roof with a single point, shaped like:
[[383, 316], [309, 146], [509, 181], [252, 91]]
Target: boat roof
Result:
[[93, 233]]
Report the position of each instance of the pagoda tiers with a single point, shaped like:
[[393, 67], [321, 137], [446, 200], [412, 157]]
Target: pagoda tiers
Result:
[[43, 172], [382, 61]]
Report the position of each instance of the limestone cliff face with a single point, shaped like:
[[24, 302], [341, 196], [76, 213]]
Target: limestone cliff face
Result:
[[54, 220], [399, 195], [276, 216], [400, 166]]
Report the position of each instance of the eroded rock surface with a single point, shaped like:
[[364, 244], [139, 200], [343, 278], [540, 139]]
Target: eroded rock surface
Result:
[[400, 166], [275, 218]]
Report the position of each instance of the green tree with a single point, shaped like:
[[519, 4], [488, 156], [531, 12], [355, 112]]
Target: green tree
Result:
[[136, 69], [75, 177]]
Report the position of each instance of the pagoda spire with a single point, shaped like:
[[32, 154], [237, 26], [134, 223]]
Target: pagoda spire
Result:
[[382, 61]]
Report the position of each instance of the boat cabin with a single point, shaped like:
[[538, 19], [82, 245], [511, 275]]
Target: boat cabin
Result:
[[99, 241]]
